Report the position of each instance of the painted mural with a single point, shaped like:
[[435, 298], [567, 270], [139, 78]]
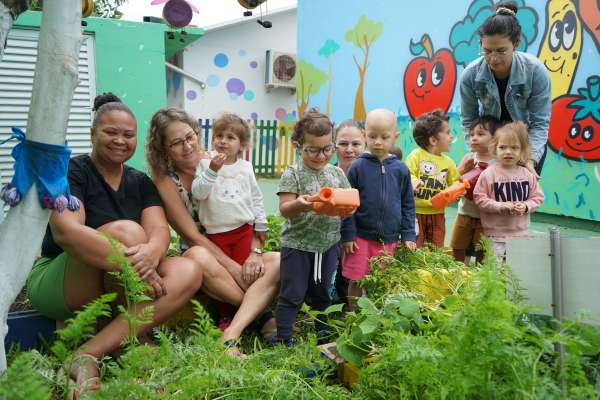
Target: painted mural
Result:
[[409, 56]]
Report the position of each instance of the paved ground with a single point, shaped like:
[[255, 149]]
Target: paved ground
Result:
[[539, 226]]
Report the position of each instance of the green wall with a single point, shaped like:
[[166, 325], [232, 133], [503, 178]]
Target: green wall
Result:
[[130, 60]]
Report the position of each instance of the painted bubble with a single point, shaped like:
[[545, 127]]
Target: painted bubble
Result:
[[221, 60], [253, 64], [280, 113], [212, 80], [248, 95], [235, 85], [191, 94], [233, 96], [242, 53], [254, 116]]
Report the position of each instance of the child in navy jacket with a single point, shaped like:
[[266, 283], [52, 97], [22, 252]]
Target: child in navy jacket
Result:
[[386, 214]]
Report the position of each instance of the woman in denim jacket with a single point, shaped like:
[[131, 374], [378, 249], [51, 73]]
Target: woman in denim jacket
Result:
[[507, 84]]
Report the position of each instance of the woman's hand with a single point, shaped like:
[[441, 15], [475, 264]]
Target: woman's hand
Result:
[[157, 285], [253, 268], [143, 258]]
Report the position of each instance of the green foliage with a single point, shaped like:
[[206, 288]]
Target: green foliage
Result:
[[203, 325], [81, 327], [274, 223], [367, 329], [23, 381], [478, 344], [134, 292]]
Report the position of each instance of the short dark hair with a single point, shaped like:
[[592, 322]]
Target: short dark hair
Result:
[[428, 125], [503, 22], [312, 122], [490, 123]]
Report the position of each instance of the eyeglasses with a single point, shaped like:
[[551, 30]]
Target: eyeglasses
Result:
[[343, 144], [487, 53], [189, 139], [314, 152]]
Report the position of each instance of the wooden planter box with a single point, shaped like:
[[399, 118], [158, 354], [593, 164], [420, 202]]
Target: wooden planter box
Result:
[[28, 330]]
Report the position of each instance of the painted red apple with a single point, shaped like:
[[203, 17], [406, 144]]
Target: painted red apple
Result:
[[589, 10], [575, 123], [429, 81]]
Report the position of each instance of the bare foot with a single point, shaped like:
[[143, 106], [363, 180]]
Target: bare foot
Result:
[[83, 370]]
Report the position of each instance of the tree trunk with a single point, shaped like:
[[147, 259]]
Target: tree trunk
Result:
[[360, 113], [54, 82]]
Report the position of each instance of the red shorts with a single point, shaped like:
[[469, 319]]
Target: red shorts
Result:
[[236, 243], [432, 229], [356, 265]]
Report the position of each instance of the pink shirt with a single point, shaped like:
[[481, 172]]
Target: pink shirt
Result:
[[497, 186]]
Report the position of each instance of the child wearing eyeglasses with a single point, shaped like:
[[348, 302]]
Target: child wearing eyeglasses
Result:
[[386, 214], [230, 202], [309, 242]]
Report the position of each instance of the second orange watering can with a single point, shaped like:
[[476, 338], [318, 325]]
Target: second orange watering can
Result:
[[335, 202], [449, 195]]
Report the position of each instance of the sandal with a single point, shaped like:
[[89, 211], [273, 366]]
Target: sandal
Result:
[[232, 348], [81, 379]]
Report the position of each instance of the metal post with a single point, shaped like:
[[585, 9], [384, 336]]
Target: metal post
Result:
[[558, 305]]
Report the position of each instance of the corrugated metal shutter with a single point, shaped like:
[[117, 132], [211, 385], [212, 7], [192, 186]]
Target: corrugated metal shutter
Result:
[[16, 82]]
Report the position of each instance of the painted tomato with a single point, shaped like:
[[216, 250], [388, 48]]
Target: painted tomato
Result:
[[575, 123], [429, 81]]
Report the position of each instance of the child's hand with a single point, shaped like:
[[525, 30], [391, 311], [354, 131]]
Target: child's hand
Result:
[[507, 208], [417, 183], [466, 164], [305, 204], [520, 208], [217, 162], [349, 247], [409, 245]]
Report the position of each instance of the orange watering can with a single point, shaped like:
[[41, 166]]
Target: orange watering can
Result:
[[449, 195], [335, 202]]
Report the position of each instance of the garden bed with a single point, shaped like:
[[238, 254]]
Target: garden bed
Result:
[[430, 328]]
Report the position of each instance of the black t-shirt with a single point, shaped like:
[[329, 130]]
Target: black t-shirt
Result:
[[102, 203], [504, 115]]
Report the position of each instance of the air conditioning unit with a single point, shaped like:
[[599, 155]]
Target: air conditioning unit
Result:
[[280, 70]]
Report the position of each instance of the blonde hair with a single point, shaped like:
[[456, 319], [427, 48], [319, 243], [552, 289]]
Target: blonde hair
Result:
[[515, 131], [155, 147], [228, 120]]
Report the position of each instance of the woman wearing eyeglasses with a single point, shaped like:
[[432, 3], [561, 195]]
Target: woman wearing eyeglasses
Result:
[[174, 153], [507, 84]]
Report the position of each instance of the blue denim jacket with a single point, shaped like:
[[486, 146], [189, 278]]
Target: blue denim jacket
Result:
[[527, 97]]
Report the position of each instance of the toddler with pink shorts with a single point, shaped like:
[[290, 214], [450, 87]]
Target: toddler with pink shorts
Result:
[[386, 214]]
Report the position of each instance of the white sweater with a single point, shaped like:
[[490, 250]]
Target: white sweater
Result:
[[230, 198]]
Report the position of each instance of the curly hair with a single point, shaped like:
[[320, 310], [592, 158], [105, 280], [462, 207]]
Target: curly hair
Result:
[[155, 147], [228, 120], [517, 132], [428, 125], [312, 122]]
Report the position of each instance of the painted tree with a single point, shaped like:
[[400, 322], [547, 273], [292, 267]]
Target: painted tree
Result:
[[310, 80], [327, 50], [362, 36], [9, 11], [53, 87]]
